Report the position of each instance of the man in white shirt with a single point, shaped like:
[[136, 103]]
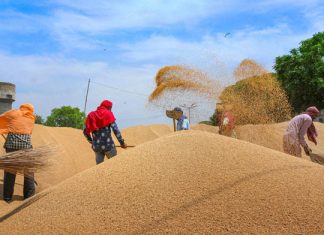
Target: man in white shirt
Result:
[[298, 127]]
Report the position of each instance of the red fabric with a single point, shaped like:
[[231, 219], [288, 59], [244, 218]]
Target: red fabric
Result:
[[311, 131], [100, 118], [230, 116]]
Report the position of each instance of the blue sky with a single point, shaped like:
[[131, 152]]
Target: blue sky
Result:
[[49, 49]]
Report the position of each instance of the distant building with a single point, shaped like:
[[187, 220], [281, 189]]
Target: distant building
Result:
[[7, 96]]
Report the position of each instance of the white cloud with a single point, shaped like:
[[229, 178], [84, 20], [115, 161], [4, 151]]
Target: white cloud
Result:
[[260, 44], [75, 24], [56, 80], [102, 16], [50, 82], [71, 20], [316, 17], [14, 21], [138, 14], [296, 3]]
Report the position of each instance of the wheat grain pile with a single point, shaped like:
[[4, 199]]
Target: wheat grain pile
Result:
[[74, 155], [248, 68], [186, 182], [270, 136], [186, 87], [183, 78], [257, 97], [161, 143]]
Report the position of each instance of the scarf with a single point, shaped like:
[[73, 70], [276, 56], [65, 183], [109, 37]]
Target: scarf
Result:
[[100, 118], [18, 121]]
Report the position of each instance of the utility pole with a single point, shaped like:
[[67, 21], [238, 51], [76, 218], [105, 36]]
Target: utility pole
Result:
[[86, 98]]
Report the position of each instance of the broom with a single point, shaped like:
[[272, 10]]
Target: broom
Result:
[[27, 161]]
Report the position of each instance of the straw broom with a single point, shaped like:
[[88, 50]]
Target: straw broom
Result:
[[27, 161]]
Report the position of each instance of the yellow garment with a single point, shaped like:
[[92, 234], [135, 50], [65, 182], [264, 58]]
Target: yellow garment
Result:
[[18, 121]]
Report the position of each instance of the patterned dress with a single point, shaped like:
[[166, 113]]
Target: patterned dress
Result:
[[18, 141], [101, 139]]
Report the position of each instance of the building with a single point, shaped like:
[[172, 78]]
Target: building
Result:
[[7, 96]]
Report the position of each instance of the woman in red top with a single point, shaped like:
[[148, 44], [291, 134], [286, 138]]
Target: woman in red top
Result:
[[99, 124], [227, 124]]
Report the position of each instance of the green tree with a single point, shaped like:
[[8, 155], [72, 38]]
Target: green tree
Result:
[[213, 119], [301, 73], [39, 120], [66, 116]]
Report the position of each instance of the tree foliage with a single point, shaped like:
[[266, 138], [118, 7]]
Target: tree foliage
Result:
[[213, 119], [39, 120], [66, 116], [301, 73]]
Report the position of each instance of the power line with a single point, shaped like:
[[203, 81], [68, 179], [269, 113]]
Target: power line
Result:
[[132, 92], [121, 90], [139, 118], [126, 91]]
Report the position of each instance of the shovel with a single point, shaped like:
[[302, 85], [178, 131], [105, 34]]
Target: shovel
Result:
[[128, 146]]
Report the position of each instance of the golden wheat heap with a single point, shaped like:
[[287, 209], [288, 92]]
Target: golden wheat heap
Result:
[[257, 97], [183, 78], [27, 161]]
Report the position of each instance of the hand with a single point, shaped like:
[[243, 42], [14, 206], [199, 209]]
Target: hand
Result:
[[307, 150], [124, 146]]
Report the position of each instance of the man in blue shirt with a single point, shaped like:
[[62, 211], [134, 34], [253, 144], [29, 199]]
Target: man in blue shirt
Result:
[[182, 121]]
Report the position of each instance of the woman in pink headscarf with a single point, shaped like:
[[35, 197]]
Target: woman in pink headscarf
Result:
[[298, 127]]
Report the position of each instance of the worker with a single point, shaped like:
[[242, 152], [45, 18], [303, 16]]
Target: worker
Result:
[[182, 121], [298, 127], [18, 124], [226, 120], [227, 124], [99, 124]]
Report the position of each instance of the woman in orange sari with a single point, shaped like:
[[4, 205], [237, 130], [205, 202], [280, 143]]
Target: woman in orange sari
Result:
[[18, 124]]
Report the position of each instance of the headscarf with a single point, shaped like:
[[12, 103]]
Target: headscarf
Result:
[[311, 131], [178, 109], [18, 121], [312, 111], [181, 117], [100, 118], [27, 111]]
